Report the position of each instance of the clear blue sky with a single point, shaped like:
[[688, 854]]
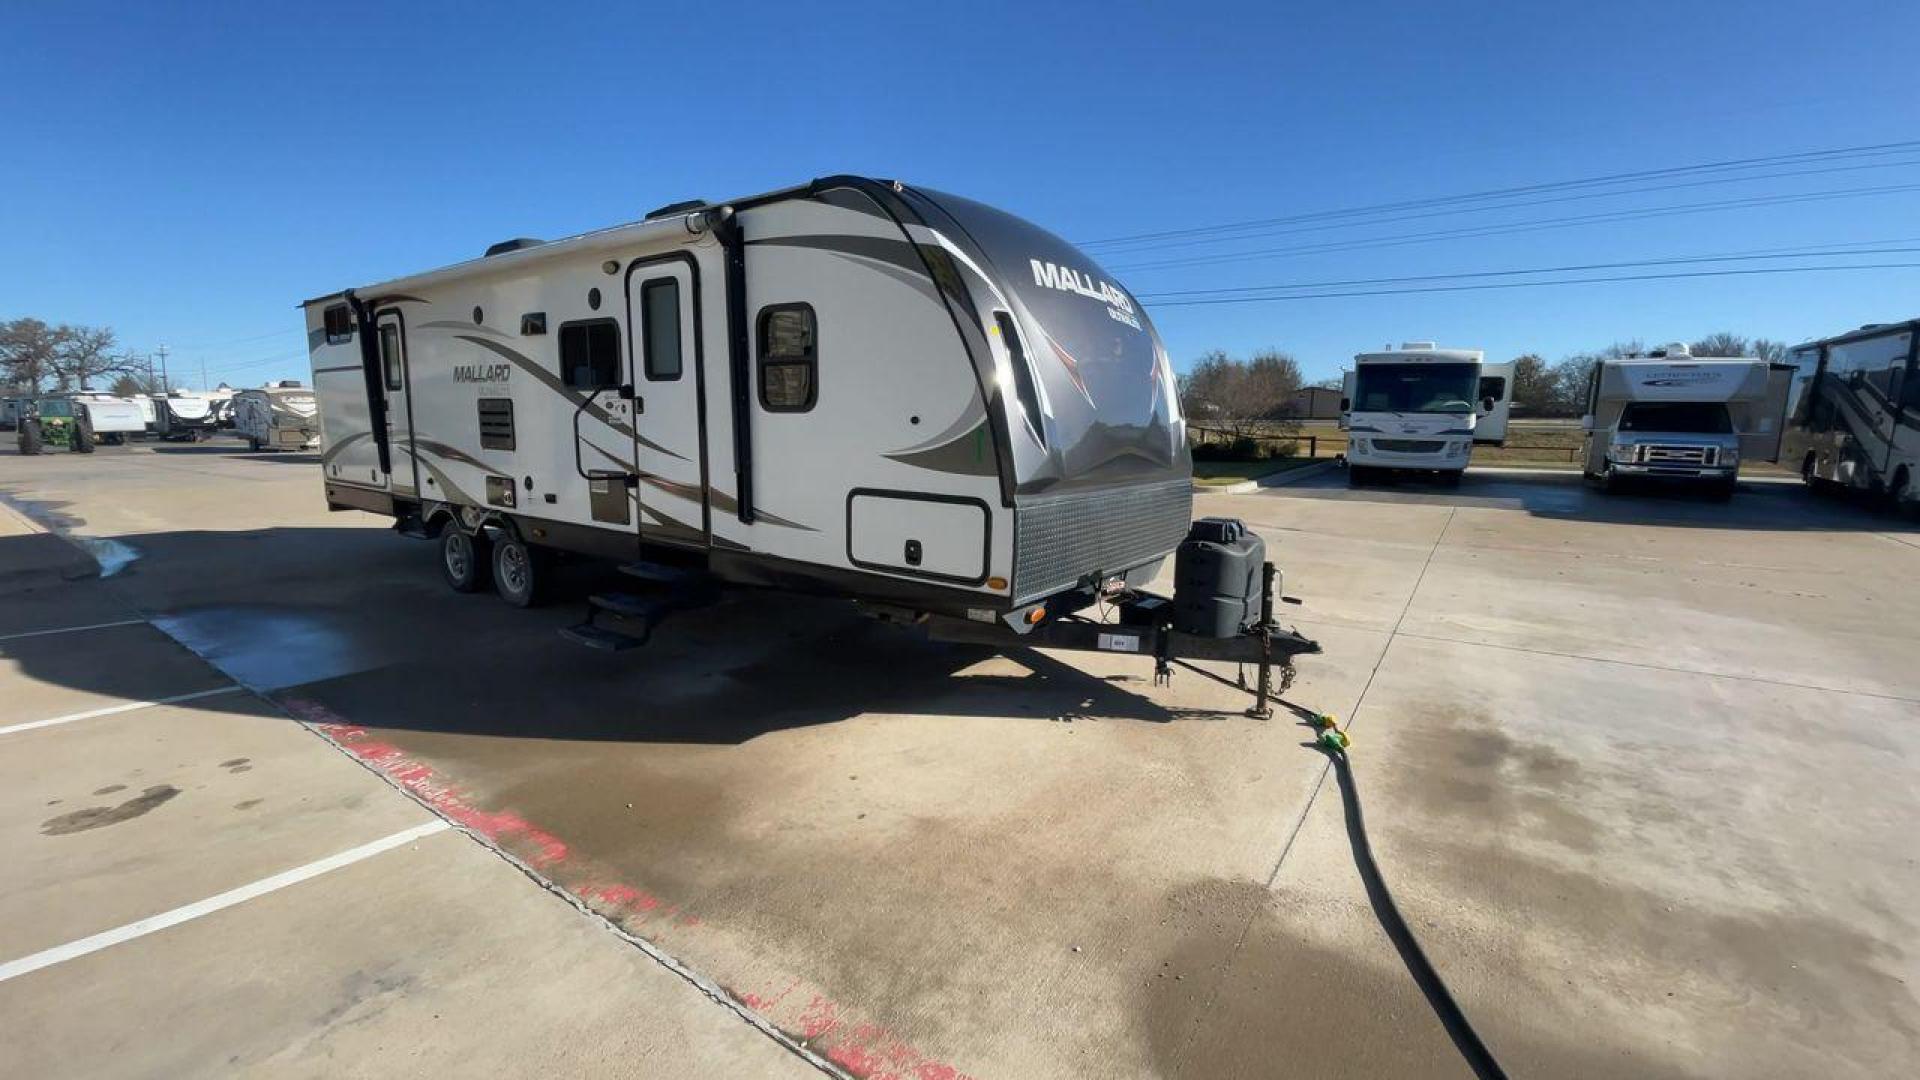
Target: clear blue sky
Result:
[[188, 174]]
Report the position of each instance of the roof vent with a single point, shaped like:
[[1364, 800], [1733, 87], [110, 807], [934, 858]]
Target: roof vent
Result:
[[516, 244], [1871, 325], [1418, 346], [673, 208]]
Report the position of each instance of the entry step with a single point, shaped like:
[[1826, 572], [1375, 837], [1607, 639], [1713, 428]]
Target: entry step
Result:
[[646, 609]]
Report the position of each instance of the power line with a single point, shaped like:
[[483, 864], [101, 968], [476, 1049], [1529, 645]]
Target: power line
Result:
[[1861, 247], [1733, 164], [1516, 205], [210, 345], [1638, 214], [1535, 284]]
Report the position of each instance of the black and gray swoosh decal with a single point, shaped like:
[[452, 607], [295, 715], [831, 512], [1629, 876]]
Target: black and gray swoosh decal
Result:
[[334, 450], [969, 453], [552, 382]]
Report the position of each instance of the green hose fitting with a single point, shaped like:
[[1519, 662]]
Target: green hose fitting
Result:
[[1334, 740]]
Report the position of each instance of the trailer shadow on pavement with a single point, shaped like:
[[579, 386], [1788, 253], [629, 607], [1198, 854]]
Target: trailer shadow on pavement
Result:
[[389, 641]]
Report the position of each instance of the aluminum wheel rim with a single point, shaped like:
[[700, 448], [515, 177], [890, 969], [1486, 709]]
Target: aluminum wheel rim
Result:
[[459, 556], [513, 568]]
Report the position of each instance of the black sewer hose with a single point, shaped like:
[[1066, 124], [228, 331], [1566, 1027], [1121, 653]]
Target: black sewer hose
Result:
[[1333, 742]]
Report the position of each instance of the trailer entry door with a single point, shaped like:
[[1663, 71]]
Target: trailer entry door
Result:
[[664, 359], [394, 383]]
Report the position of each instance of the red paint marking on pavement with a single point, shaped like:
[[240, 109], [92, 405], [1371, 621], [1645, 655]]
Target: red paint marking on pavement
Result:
[[866, 1050]]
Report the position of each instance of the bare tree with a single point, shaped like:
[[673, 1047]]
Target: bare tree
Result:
[[27, 348], [1534, 389], [84, 355], [1239, 397]]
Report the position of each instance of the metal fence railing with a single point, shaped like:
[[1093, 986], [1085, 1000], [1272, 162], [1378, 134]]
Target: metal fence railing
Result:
[[1316, 445]]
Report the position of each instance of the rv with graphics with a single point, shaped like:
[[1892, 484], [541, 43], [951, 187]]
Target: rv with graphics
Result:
[[851, 387], [1673, 417], [1856, 425], [284, 416], [184, 416], [1421, 407]]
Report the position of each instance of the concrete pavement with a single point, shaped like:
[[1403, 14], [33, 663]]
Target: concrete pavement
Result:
[[1639, 770]]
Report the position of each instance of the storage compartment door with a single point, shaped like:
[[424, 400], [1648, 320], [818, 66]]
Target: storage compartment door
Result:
[[1760, 441], [933, 536]]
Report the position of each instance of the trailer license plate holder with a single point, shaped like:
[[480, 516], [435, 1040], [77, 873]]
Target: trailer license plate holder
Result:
[[1128, 643]]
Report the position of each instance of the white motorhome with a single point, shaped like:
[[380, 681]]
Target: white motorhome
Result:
[[1422, 407], [185, 416], [284, 416], [854, 387], [113, 419], [1674, 417], [1857, 423]]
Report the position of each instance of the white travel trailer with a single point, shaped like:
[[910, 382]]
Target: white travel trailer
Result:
[[113, 419], [185, 416], [10, 412], [852, 387], [284, 416], [1422, 407], [1675, 417], [1857, 425]]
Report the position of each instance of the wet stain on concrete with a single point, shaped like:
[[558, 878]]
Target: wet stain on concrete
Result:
[[1242, 992], [110, 789], [1462, 769], [95, 817]]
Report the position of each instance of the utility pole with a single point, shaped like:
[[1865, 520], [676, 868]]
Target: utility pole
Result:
[[203, 373], [164, 385]]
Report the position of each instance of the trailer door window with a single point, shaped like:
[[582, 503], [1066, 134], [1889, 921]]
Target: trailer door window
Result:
[[789, 358], [390, 355], [660, 308], [590, 354]]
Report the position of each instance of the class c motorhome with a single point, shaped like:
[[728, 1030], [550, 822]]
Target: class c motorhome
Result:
[[1856, 423], [1671, 416], [853, 387], [1421, 407]]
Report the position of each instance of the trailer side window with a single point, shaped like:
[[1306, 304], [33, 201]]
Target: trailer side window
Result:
[[590, 354], [660, 308], [339, 324], [390, 355], [789, 358]]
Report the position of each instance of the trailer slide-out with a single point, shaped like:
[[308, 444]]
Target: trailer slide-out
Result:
[[851, 387]]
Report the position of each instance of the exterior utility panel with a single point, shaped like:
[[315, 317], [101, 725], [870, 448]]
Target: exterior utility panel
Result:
[[852, 386], [1423, 407], [1677, 417]]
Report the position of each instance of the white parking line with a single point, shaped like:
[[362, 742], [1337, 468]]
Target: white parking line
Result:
[[13, 969], [111, 709], [71, 629]]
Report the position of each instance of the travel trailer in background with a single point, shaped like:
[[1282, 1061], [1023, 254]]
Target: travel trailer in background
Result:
[[1674, 417], [1421, 407], [149, 412], [1857, 423], [284, 416], [10, 412], [184, 416], [113, 419], [851, 387]]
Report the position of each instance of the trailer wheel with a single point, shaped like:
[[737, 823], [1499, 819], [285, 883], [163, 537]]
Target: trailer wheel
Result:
[[465, 561], [520, 571]]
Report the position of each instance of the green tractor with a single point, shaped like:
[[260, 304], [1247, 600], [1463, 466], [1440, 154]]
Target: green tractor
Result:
[[55, 421]]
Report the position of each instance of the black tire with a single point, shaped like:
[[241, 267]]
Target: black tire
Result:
[[466, 563], [1610, 481], [82, 437], [1452, 477], [1723, 490], [1358, 475], [32, 439], [520, 572]]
